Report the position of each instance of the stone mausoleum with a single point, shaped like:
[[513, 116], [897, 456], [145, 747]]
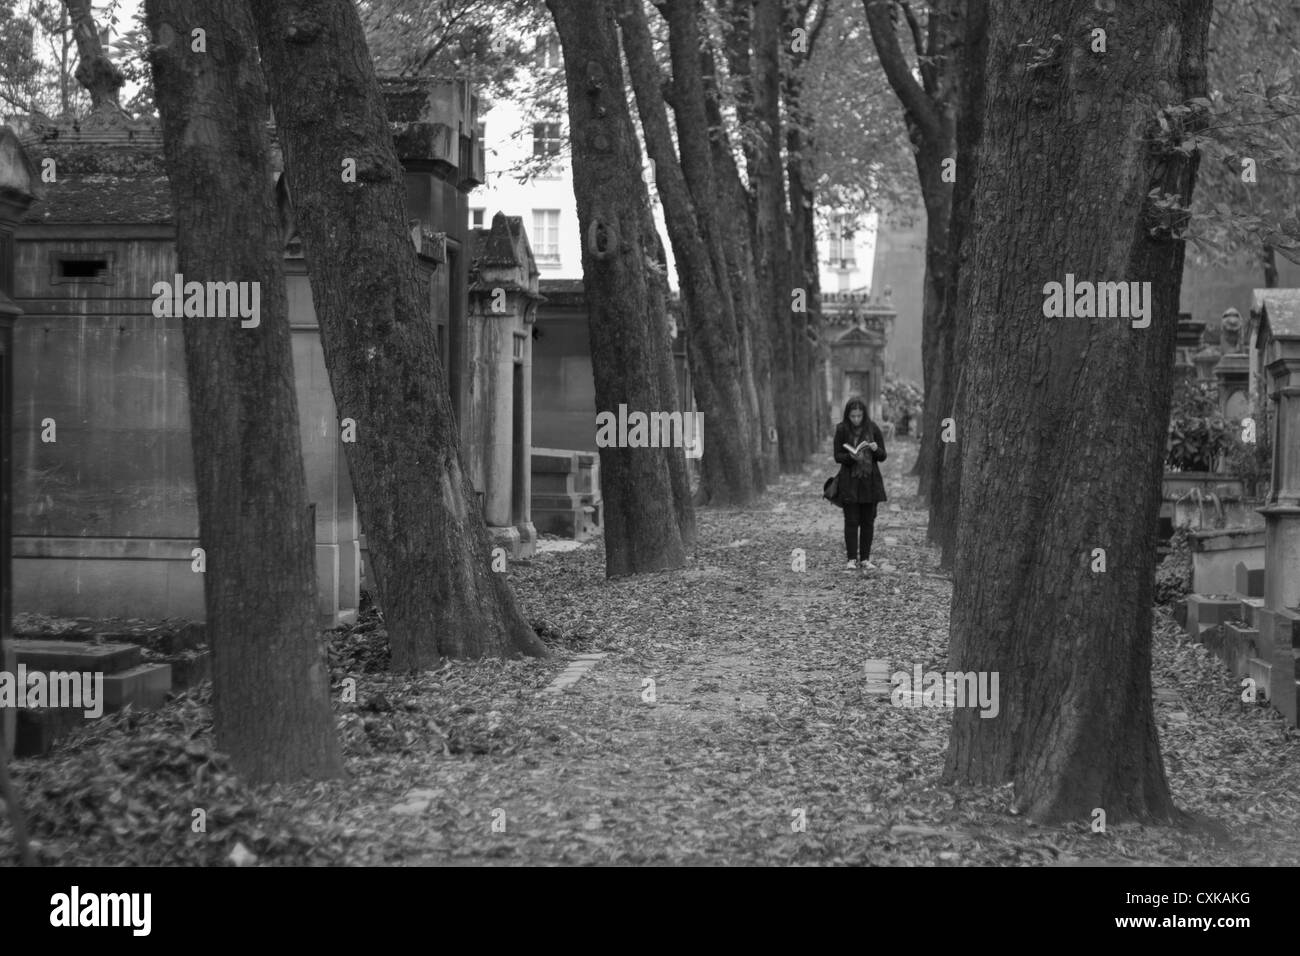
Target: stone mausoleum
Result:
[[104, 509], [856, 328]]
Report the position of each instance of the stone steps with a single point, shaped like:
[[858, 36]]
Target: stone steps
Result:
[[127, 679]]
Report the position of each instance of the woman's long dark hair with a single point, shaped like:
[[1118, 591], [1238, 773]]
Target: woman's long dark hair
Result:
[[852, 403]]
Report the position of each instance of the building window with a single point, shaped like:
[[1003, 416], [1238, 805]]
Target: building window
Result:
[[81, 267], [476, 218], [841, 253], [548, 52], [546, 139], [546, 236]]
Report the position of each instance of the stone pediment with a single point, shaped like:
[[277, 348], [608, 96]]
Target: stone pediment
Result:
[[859, 337]]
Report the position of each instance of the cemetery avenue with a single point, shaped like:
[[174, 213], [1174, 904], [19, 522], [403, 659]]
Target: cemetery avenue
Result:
[[760, 702]]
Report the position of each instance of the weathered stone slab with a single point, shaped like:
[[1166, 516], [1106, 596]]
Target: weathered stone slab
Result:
[[1204, 611], [1241, 643], [49, 655], [1250, 610], [40, 728], [144, 687], [1250, 580], [1279, 634]]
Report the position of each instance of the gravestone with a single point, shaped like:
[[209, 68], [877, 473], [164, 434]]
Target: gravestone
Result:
[[1276, 322], [1250, 581]]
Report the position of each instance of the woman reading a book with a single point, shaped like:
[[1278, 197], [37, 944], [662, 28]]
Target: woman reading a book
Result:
[[859, 445]]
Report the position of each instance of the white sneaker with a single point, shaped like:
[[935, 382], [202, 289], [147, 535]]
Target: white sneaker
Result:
[[851, 566], [867, 566]]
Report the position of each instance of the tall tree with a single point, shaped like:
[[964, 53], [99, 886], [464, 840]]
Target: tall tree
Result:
[[747, 291], [732, 461], [1065, 418], [96, 72], [1247, 204], [20, 71], [786, 311], [804, 25], [271, 706], [971, 48], [928, 108], [629, 340], [429, 546], [32, 82]]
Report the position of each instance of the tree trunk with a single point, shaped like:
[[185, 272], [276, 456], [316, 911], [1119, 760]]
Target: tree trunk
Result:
[[771, 233], [935, 333], [625, 308], [665, 366], [801, 176], [972, 25], [429, 547], [1268, 255], [814, 412], [755, 349], [1064, 418], [931, 126], [270, 686], [95, 71], [694, 228]]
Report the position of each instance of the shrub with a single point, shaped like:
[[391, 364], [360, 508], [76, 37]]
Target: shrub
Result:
[[1174, 574], [901, 402], [1252, 462], [1199, 435]]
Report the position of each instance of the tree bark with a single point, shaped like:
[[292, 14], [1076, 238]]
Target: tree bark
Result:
[[972, 25], [1268, 257], [803, 237], [1064, 419], [772, 237], [429, 545], [625, 308], [931, 125], [95, 71], [756, 352], [695, 231], [814, 412], [271, 706]]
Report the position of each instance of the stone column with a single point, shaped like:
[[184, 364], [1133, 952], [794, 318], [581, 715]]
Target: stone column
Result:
[[18, 190], [1232, 373], [523, 491], [1280, 617], [1188, 343]]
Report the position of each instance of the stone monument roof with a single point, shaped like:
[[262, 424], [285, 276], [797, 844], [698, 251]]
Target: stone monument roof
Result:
[[501, 244], [1283, 307], [106, 172]]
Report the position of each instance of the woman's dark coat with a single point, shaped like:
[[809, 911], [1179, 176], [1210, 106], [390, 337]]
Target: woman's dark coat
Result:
[[857, 490]]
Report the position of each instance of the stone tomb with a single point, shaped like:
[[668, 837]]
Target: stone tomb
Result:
[[1256, 630]]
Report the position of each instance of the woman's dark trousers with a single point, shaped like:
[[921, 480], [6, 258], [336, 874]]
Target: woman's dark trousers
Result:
[[859, 518]]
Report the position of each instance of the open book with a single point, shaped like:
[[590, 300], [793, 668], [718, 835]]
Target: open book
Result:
[[853, 451]]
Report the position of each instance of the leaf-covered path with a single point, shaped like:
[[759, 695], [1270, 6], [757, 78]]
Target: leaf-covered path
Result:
[[764, 741], [762, 719]]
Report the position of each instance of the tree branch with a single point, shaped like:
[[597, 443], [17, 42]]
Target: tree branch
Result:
[[916, 102], [914, 25], [925, 50], [819, 22], [96, 72], [25, 107]]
